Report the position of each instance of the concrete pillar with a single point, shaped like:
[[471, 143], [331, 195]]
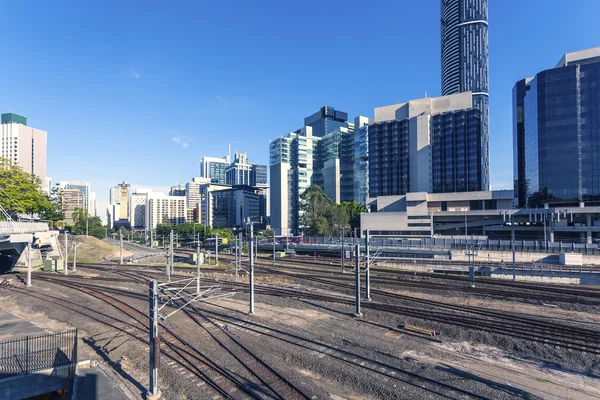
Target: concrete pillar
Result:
[[589, 237], [551, 236], [589, 220]]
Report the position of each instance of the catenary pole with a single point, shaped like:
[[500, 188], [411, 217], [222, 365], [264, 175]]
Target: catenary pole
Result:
[[74, 257], [216, 249], [343, 250], [154, 338], [121, 246], [198, 265], [251, 268], [28, 264], [367, 268], [66, 271], [357, 280]]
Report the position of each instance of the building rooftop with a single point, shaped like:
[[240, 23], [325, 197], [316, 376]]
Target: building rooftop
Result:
[[586, 56], [14, 118]]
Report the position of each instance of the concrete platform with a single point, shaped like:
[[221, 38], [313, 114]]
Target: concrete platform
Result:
[[100, 383], [12, 327], [96, 382]]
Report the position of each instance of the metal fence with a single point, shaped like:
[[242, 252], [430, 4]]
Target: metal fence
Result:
[[530, 246], [29, 354]]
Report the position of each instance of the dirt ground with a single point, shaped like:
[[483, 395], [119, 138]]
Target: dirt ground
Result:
[[320, 347]]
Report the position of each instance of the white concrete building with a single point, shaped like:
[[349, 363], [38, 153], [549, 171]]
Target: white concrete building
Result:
[[205, 206], [24, 145], [84, 189], [137, 208], [420, 214], [161, 208], [291, 170], [213, 168]]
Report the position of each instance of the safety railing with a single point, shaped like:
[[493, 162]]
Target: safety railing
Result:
[[33, 353]]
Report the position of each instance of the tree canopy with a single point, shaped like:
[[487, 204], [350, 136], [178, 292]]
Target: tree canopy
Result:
[[187, 229], [20, 192], [322, 217], [83, 223]]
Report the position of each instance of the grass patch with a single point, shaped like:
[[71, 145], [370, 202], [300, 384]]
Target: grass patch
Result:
[[92, 250]]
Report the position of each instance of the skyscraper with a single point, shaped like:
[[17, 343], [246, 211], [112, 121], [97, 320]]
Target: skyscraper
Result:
[[84, 189], [291, 169], [24, 145], [214, 168], [432, 145], [556, 130], [326, 120], [464, 55]]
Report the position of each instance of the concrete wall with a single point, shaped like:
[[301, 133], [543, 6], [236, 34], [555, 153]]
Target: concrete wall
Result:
[[331, 179], [420, 154], [25, 386], [280, 187]]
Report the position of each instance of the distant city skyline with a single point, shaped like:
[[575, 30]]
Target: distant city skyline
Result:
[[159, 115]]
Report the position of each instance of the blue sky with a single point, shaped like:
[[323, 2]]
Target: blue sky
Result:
[[141, 90]]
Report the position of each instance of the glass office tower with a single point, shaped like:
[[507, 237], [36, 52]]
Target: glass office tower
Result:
[[558, 140], [326, 120], [464, 56], [389, 173], [456, 151]]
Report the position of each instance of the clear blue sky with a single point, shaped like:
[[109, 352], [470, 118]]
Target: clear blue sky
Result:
[[114, 82]]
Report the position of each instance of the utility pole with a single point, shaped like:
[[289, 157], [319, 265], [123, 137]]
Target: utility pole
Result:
[[216, 249], [171, 252], [66, 271], [273, 246], [513, 254], [28, 264], [367, 268], [237, 255], [471, 257], [121, 245], [198, 264], [357, 280], [251, 268], [154, 339], [343, 255], [74, 257], [545, 238], [151, 238]]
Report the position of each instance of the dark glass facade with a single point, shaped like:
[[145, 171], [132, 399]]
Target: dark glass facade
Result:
[[560, 144], [336, 145], [258, 175], [520, 187], [464, 56], [326, 120], [218, 173], [389, 158], [456, 148]]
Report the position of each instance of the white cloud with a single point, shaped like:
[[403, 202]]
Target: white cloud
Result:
[[182, 140], [135, 74]]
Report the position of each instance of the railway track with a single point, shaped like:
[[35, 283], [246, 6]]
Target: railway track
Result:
[[182, 355], [393, 274], [576, 297], [491, 321], [281, 388], [277, 386]]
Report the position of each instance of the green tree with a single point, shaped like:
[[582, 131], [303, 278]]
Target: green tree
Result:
[[320, 216], [54, 213], [83, 223], [20, 192], [353, 210]]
